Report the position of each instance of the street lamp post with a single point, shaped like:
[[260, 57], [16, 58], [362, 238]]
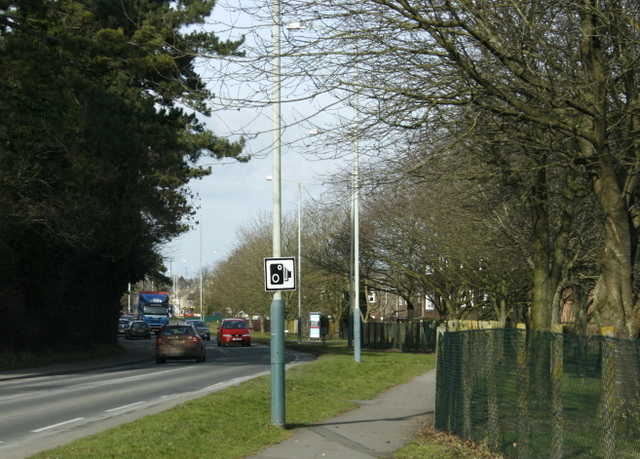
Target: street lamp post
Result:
[[299, 262], [354, 264], [355, 230], [299, 265], [277, 305], [201, 307], [354, 275]]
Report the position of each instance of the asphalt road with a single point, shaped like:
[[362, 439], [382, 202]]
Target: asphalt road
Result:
[[43, 412]]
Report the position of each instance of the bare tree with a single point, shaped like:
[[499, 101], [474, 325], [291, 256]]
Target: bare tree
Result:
[[565, 68]]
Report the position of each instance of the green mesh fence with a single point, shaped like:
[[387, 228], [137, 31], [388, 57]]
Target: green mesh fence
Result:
[[403, 336], [540, 395]]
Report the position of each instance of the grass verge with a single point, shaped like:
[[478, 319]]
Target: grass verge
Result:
[[236, 422]]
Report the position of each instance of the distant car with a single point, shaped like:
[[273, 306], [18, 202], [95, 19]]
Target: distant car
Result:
[[179, 342], [138, 329], [234, 331], [202, 328], [123, 324]]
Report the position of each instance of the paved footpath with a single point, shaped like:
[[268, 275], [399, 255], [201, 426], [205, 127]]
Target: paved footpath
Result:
[[375, 429]]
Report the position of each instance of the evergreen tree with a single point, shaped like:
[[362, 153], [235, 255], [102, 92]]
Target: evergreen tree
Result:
[[99, 136]]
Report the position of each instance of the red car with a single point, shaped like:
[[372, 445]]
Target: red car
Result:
[[179, 342], [234, 331]]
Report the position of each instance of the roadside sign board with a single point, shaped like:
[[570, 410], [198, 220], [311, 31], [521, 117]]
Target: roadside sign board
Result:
[[279, 274], [314, 325]]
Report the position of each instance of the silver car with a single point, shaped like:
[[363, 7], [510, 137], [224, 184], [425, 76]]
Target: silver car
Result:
[[179, 342], [202, 328]]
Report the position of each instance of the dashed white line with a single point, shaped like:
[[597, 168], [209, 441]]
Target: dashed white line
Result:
[[213, 387], [57, 425], [123, 407], [181, 394]]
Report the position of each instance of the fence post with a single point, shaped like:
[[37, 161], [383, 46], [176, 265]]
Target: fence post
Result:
[[522, 393], [466, 384], [440, 331], [557, 416], [403, 333], [492, 391], [384, 332], [607, 408]]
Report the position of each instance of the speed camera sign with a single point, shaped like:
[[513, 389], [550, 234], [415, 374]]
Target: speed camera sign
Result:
[[279, 274]]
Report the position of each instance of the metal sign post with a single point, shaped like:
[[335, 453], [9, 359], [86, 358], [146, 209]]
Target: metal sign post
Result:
[[279, 275]]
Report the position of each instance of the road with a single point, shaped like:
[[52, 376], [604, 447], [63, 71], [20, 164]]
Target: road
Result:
[[40, 413]]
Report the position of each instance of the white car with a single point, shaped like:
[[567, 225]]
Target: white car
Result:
[[123, 324]]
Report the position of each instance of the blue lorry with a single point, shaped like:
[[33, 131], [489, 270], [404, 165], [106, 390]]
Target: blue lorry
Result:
[[154, 308]]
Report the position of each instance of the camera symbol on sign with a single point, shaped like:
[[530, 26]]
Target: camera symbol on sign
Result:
[[279, 274]]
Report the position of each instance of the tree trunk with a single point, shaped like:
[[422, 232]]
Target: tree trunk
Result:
[[613, 295], [540, 318]]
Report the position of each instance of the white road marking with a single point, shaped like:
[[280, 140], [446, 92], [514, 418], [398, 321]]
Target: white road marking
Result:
[[124, 407], [56, 425]]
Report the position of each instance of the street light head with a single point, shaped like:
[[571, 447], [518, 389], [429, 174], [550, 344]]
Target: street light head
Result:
[[270, 178], [296, 25]]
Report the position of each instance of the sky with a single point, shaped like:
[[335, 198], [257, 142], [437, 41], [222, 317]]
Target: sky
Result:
[[237, 193], [234, 195]]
